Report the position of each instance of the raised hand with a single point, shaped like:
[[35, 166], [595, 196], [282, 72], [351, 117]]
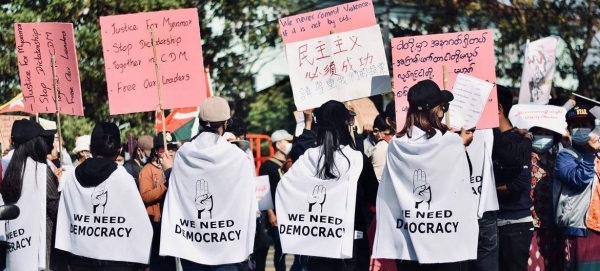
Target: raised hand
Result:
[[204, 200], [100, 197], [318, 196], [421, 189]]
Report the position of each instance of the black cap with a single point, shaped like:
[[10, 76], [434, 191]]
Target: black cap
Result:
[[579, 112], [426, 95], [25, 130], [158, 139]]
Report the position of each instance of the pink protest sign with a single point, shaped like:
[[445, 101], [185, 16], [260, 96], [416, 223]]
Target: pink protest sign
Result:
[[129, 60], [36, 43], [319, 23], [422, 57]]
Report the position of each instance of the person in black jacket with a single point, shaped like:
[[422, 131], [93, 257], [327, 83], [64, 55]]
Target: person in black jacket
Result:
[[511, 156]]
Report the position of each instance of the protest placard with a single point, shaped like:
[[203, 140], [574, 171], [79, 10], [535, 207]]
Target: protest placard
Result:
[[319, 23], [331, 64], [36, 43], [129, 60], [538, 71], [470, 97], [422, 57], [6, 123], [525, 116], [263, 193]]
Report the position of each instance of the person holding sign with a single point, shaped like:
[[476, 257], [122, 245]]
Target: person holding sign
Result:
[[321, 200], [576, 192], [426, 214], [102, 221], [209, 216], [153, 188], [30, 184]]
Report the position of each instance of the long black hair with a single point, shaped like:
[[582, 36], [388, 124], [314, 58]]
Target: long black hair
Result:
[[209, 127], [332, 132], [37, 149]]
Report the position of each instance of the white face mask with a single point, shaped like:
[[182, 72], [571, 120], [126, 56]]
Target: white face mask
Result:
[[580, 136], [120, 163], [142, 157], [287, 149], [542, 143]]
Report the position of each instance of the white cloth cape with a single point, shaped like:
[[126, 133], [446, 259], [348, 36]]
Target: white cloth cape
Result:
[[118, 230], [325, 229], [209, 215], [483, 183], [426, 211], [27, 233]]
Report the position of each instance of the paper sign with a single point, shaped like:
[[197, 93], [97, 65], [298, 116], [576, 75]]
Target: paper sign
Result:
[[129, 60], [299, 116], [422, 57], [36, 42], [595, 132], [319, 23], [263, 193], [470, 97], [6, 122], [343, 66], [538, 71], [525, 116]]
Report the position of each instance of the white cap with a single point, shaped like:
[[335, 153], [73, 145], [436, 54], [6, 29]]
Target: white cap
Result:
[[281, 135], [82, 144]]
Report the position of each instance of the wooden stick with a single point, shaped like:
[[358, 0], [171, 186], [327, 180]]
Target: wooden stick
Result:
[[158, 84], [37, 117], [58, 126], [447, 114], [208, 81]]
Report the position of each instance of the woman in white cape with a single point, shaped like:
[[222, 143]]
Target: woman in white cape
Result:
[[426, 212], [32, 186]]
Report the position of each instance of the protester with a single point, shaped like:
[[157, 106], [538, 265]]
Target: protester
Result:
[[339, 181], [30, 184], [546, 249], [379, 153], [577, 194], [211, 186], [139, 156], [81, 150], [153, 188], [281, 141], [426, 212], [101, 219], [237, 127], [512, 162], [390, 116], [356, 137]]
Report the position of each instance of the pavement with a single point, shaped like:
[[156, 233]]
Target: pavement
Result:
[[289, 259]]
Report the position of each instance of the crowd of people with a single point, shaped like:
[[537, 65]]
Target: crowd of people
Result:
[[515, 199]]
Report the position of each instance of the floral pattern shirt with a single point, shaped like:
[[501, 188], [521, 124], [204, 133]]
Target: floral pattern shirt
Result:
[[542, 175]]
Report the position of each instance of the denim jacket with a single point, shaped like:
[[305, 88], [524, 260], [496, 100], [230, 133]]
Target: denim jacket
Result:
[[572, 190]]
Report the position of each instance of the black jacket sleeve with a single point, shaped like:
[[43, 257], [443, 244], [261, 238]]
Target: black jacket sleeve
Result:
[[302, 143], [368, 181]]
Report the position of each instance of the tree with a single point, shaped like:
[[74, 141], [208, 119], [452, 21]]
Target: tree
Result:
[[575, 22], [273, 109]]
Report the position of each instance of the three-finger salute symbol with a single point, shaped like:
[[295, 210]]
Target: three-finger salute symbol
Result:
[[421, 189], [204, 200], [100, 197], [318, 196]]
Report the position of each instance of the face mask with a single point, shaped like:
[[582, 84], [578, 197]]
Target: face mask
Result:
[[542, 144], [120, 163], [288, 149], [580, 136]]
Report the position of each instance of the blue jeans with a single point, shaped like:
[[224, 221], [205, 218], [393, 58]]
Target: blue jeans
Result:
[[487, 248], [192, 266]]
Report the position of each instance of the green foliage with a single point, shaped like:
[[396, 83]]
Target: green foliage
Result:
[[272, 110]]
